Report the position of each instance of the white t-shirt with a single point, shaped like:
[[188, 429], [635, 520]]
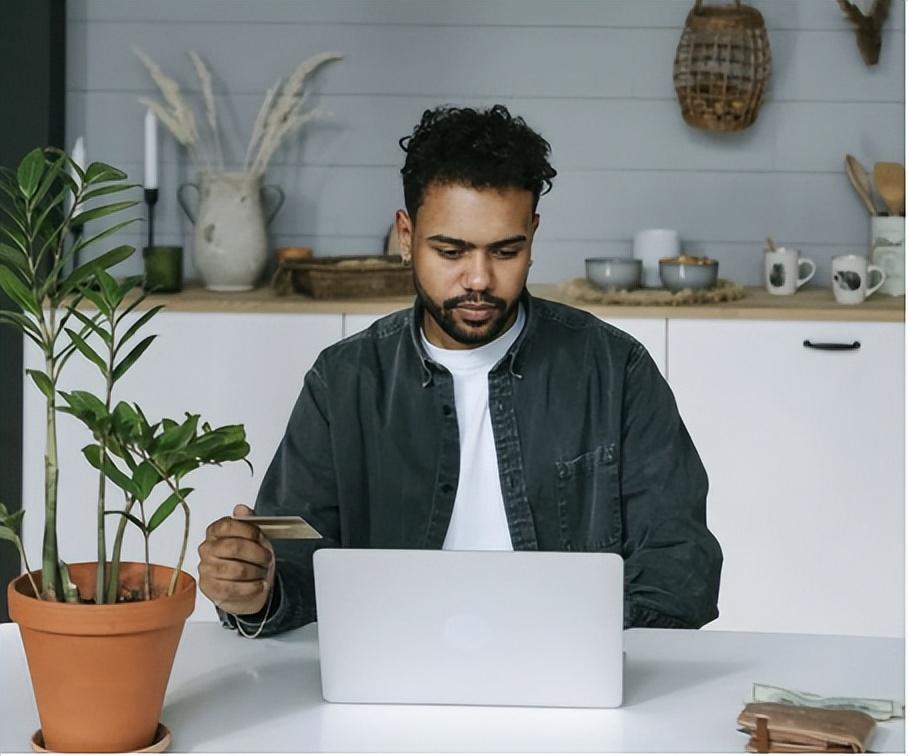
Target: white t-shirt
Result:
[[478, 522]]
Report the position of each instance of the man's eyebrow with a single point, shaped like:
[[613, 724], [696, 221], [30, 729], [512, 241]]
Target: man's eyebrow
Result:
[[468, 245]]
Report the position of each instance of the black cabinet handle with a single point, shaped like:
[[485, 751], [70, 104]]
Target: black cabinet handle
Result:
[[833, 347]]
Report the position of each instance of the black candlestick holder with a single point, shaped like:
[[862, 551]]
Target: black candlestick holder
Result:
[[151, 199]]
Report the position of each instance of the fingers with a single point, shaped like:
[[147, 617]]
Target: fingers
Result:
[[241, 510], [237, 597], [227, 527]]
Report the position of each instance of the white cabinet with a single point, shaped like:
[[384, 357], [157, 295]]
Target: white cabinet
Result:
[[805, 452], [230, 368]]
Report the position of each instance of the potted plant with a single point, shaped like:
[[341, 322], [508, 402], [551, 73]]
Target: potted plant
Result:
[[99, 637]]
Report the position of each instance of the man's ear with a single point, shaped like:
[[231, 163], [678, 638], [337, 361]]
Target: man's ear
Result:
[[404, 234]]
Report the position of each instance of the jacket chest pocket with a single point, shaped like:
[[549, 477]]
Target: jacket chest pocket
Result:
[[588, 500]]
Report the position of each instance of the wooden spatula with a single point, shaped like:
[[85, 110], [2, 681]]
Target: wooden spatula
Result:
[[890, 184], [859, 179]]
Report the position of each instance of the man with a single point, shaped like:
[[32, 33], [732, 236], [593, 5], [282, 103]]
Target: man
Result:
[[480, 418]]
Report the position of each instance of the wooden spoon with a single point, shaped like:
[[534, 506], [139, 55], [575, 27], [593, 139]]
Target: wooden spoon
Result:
[[890, 183], [857, 174]]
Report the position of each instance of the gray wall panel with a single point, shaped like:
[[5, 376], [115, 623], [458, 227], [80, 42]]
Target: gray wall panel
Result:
[[779, 14], [593, 77]]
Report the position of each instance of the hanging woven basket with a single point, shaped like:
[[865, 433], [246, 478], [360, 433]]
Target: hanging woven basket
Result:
[[722, 66]]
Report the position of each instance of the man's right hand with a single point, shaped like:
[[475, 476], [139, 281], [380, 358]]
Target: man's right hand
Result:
[[236, 564]]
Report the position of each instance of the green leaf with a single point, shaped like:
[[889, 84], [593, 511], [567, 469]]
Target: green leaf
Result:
[[16, 237], [98, 172], [8, 535], [87, 351], [127, 423], [130, 358], [43, 382], [108, 286], [146, 316], [94, 327], [145, 478], [134, 520], [13, 521], [15, 260], [166, 509], [103, 190], [50, 176], [4, 512], [178, 436], [30, 171], [97, 300], [22, 322], [92, 453], [85, 406], [101, 262], [19, 292], [102, 235], [100, 212]]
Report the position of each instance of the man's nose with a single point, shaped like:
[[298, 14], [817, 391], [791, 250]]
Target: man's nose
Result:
[[478, 272]]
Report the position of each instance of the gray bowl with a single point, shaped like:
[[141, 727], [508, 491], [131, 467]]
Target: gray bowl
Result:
[[677, 275], [614, 273]]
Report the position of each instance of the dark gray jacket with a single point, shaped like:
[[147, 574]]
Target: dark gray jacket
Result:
[[592, 456]]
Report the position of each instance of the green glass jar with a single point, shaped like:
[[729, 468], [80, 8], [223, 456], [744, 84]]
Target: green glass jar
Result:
[[163, 269]]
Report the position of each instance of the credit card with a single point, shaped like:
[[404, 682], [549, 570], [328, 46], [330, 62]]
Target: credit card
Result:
[[285, 528]]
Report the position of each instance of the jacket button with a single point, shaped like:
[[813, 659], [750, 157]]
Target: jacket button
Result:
[[446, 409], [447, 488]]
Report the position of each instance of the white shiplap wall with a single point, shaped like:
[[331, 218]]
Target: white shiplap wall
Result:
[[593, 76]]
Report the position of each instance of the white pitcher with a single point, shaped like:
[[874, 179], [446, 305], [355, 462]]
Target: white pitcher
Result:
[[230, 246]]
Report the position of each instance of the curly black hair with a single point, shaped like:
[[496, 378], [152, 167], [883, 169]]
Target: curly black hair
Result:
[[475, 148]]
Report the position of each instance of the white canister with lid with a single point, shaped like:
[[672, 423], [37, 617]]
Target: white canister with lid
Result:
[[650, 246], [887, 251]]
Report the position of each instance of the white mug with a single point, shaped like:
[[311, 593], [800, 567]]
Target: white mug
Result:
[[650, 246], [887, 250], [849, 279], [782, 267]]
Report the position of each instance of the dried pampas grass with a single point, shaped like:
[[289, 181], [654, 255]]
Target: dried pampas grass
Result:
[[280, 115]]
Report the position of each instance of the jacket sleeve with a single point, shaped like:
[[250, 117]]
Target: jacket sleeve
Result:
[[299, 481], [672, 561]]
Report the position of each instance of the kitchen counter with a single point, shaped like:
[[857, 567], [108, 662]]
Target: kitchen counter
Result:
[[807, 304]]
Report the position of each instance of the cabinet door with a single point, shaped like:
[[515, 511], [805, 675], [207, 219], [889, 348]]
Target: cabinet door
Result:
[[805, 453], [229, 368]]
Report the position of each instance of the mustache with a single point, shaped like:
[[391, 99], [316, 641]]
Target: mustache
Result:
[[474, 299]]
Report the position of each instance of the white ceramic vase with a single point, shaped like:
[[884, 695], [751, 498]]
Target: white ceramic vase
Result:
[[230, 244]]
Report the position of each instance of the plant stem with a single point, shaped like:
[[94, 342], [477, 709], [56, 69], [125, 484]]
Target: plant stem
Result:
[[28, 570], [102, 478], [176, 570], [50, 573], [147, 571], [113, 579]]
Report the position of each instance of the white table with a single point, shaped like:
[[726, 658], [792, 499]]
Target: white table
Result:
[[683, 691]]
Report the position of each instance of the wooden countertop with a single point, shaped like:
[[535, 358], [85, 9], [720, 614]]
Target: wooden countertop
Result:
[[807, 304]]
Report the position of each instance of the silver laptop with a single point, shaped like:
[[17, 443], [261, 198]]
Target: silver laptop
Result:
[[514, 628]]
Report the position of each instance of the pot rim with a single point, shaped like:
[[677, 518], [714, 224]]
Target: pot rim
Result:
[[88, 619]]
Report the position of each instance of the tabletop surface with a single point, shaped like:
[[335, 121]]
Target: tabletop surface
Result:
[[683, 690]]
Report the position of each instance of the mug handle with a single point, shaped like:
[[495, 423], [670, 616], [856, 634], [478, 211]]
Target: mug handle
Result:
[[813, 269], [183, 201], [870, 269], [278, 205]]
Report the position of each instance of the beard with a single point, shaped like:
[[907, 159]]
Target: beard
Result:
[[468, 334]]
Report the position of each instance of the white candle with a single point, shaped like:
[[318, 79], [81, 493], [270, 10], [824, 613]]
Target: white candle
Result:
[[151, 150]]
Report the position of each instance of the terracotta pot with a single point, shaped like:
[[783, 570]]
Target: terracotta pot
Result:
[[99, 673]]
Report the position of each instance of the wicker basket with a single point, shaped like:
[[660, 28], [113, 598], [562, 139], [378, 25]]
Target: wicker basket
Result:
[[350, 277], [722, 66]]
